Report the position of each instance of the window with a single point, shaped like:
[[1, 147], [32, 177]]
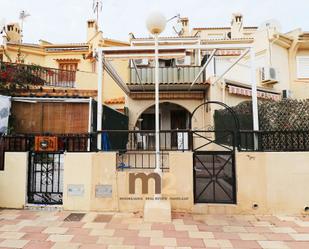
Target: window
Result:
[[68, 66], [302, 63], [69, 72]]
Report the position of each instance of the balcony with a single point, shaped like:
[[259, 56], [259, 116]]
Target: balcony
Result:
[[21, 75], [183, 75]]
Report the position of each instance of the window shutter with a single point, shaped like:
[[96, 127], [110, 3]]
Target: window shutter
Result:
[[302, 66]]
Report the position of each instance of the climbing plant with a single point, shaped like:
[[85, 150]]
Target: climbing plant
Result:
[[284, 115], [20, 76]]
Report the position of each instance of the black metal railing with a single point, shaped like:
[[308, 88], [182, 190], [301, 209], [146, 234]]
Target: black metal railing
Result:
[[36, 75], [66, 142], [217, 140], [170, 140], [273, 141], [144, 140], [141, 160]]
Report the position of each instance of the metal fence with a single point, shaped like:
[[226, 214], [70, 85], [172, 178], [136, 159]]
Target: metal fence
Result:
[[273, 141], [123, 141], [66, 142], [141, 160], [144, 140]]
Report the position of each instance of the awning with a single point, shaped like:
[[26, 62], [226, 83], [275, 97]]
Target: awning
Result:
[[247, 92]]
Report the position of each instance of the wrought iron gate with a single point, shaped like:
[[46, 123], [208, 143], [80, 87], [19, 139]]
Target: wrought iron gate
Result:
[[214, 167], [214, 159], [45, 178]]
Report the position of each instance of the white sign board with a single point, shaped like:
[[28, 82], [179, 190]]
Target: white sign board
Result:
[[182, 140], [76, 190], [103, 191], [5, 106]]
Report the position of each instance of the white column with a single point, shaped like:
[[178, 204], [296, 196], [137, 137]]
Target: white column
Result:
[[255, 113], [157, 115], [100, 98]]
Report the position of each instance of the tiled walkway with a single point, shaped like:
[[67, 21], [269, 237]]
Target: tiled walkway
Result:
[[40, 230]]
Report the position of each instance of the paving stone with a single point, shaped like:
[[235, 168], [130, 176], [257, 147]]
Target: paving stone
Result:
[[163, 242], [11, 235], [91, 230], [300, 236], [55, 230], [13, 243], [60, 238], [273, 245]]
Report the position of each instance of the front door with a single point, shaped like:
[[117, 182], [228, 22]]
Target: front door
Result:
[[178, 122]]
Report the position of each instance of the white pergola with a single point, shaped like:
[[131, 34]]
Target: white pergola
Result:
[[155, 50]]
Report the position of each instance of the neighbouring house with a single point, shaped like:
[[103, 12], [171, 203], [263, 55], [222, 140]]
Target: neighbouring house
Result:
[[281, 72], [60, 79], [281, 59]]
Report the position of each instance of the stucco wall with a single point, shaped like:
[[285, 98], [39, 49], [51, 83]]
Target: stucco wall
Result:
[[13, 180], [89, 170], [276, 181]]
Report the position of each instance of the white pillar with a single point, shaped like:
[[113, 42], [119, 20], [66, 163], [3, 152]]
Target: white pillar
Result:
[[255, 113], [157, 115], [100, 98]]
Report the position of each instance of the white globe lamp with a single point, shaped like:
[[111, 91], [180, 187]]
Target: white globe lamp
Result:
[[156, 23]]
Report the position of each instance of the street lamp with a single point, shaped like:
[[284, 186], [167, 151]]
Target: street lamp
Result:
[[156, 23]]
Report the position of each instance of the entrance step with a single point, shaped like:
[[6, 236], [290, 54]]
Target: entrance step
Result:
[[224, 209], [42, 207]]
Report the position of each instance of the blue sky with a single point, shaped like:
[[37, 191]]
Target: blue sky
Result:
[[65, 20]]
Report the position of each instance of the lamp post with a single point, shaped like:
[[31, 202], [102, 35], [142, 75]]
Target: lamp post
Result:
[[156, 24], [255, 112]]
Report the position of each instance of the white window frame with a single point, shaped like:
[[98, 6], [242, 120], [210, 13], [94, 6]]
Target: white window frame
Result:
[[299, 73]]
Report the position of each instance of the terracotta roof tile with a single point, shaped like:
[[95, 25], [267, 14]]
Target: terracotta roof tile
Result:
[[120, 100], [52, 92]]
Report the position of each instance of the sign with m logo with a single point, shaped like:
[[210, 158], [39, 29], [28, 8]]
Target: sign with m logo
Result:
[[145, 179]]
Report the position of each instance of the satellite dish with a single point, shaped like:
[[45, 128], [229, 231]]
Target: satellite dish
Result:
[[271, 24]]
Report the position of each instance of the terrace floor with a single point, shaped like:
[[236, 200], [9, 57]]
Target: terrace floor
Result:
[[64, 230]]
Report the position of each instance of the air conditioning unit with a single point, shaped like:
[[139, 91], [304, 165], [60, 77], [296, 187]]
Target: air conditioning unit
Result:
[[286, 94], [46, 143], [185, 61], [268, 75], [141, 62]]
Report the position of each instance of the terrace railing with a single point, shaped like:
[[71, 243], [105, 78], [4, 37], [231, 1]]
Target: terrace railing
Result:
[[144, 140], [22, 74], [125, 141], [141, 160], [273, 141], [66, 142], [183, 74]]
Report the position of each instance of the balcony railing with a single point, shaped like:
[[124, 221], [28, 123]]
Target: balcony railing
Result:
[[184, 74], [22, 75]]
